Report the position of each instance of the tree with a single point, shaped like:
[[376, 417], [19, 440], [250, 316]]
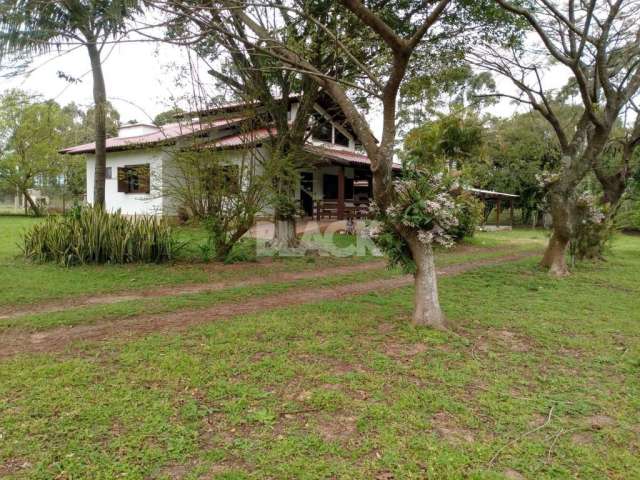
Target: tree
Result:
[[451, 140], [614, 170], [518, 148], [618, 165], [29, 27], [261, 83], [84, 130], [453, 89], [395, 32], [597, 43], [31, 133], [168, 116]]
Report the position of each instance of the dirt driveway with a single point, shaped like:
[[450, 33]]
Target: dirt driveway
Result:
[[58, 339]]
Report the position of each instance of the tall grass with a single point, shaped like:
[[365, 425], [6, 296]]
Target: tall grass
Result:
[[91, 235]]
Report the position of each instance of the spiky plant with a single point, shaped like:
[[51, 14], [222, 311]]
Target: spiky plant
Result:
[[93, 236]]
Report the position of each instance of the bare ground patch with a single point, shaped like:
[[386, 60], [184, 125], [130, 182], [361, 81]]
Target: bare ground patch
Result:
[[399, 351], [12, 466], [493, 340], [448, 428], [598, 422], [58, 339], [337, 427], [512, 474]]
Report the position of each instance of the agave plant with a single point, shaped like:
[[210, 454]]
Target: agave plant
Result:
[[94, 236]]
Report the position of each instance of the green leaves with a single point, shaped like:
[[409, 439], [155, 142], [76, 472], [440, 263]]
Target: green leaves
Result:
[[91, 235], [34, 26]]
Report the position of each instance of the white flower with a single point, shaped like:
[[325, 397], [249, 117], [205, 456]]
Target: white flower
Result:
[[425, 237]]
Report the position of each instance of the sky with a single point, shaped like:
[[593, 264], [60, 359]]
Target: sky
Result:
[[141, 80]]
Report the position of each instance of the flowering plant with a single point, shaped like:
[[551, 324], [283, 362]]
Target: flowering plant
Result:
[[430, 204]]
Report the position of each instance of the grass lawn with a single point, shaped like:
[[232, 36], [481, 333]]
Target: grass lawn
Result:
[[24, 283], [537, 379]]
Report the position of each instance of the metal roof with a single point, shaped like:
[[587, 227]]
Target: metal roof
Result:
[[165, 134], [491, 194]]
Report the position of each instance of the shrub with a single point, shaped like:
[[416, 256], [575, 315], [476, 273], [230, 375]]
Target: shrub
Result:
[[592, 230], [92, 235]]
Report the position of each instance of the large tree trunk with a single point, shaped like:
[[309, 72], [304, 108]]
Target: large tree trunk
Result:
[[284, 233], [100, 100], [427, 311], [555, 256], [285, 207]]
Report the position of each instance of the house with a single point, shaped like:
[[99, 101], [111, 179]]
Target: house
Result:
[[336, 183]]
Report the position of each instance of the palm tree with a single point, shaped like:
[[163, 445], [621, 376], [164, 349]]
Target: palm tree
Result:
[[33, 27]]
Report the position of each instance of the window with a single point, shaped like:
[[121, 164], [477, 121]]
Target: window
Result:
[[330, 186], [348, 188], [321, 129], [108, 174], [324, 131], [134, 179], [340, 138]]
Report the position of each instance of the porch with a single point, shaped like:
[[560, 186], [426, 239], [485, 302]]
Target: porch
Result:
[[337, 185], [335, 192]]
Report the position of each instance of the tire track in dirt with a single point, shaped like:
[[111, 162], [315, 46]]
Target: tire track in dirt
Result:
[[86, 300], [176, 290], [57, 339]]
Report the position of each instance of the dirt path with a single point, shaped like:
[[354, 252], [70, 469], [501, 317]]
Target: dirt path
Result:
[[174, 290], [57, 339], [80, 301]]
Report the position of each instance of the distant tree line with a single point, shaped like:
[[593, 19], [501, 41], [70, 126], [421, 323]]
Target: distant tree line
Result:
[[32, 131]]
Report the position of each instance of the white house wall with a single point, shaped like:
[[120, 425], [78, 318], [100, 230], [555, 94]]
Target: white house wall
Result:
[[161, 170], [130, 203]]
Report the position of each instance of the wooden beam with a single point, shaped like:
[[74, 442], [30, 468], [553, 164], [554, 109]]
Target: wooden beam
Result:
[[511, 211], [341, 193], [498, 212]]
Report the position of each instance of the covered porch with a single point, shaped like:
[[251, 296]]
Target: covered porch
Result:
[[500, 202], [337, 185]]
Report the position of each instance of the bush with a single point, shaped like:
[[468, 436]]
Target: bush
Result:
[[592, 230], [94, 236]]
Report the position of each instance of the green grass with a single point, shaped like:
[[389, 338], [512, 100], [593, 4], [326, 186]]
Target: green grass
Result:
[[25, 283], [348, 389], [167, 304]]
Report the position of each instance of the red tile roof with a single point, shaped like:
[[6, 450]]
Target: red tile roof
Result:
[[342, 155], [240, 139], [254, 136], [165, 134]]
